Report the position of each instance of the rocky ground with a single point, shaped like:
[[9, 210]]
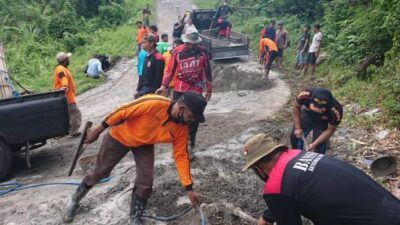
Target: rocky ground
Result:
[[243, 104]]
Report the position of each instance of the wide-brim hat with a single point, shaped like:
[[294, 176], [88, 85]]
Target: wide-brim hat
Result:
[[383, 166], [258, 147], [192, 36]]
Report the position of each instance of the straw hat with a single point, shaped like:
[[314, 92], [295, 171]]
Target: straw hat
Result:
[[258, 147]]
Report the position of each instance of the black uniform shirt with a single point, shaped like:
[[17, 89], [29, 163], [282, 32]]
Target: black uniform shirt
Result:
[[153, 69], [333, 115], [327, 191]]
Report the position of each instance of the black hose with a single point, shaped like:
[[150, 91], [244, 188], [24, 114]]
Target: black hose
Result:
[[168, 218]]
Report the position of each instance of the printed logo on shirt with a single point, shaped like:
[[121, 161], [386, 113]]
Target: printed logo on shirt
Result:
[[303, 94], [338, 117], [308, 161], [190, 63], [149, 64]]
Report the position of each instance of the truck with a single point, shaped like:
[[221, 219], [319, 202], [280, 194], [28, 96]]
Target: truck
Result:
[[27, 121], [238, 45]]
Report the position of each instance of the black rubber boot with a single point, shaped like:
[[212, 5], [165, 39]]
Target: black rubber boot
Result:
[[73, 203], [137, 207]]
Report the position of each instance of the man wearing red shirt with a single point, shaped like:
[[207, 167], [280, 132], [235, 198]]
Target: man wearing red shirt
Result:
[[191, 65]]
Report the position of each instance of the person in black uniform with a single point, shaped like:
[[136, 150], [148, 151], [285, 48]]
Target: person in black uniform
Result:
[[178, 28], [153, 68], [315, 110], [223, 11], [323, 189], [222, 22]]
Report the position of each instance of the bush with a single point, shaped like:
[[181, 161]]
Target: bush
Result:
[[113, 14], [33, 41], [86, 8], [65, 23], [71, 42], [352, 30]]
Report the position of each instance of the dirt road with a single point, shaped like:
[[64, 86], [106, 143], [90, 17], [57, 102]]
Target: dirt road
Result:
[[238, 108]]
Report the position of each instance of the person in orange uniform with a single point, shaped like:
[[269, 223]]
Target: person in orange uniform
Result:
[[63, 80], [136, 127], [268, 52], [167, 58], [141, 31]]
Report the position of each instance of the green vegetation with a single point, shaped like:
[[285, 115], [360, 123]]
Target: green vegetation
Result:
[[34, 31], [353, 31]]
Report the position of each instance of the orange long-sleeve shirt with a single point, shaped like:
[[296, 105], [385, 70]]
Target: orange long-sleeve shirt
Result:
[[63, 78], [266, 42], [140, 34], [167, 59], [145, 121]]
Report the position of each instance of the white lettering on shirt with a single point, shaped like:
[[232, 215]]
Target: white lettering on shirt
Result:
[[314, 163], [308, 161]]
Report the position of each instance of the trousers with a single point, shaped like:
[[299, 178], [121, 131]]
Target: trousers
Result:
[[110, 154]]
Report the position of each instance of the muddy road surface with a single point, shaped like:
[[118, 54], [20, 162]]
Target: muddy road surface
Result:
[[239, 108]]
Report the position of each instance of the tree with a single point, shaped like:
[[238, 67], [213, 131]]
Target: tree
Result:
[[65, 23], [86, 8]]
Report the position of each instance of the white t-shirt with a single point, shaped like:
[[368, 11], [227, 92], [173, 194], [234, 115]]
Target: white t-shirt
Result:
[[316, 42]]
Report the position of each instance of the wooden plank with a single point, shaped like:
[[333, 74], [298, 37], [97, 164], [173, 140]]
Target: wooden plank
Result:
[[5, 90]]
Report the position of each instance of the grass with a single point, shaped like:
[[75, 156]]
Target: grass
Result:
[[117, 42], [206, 4], [345, 86], [32, 62]]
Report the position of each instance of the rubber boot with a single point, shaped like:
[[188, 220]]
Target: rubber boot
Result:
[[266, 74], [137, 207], [73, 203]]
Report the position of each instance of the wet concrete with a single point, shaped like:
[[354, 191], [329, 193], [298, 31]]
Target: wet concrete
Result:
[[237, 110]]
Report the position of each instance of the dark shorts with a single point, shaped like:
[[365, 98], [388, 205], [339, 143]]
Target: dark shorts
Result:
[[272, 56], [280, 52], [311, 58], [308, 124]]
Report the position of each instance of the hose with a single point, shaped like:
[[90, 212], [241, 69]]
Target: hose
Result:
[[175, 217], [202, 218], [168, 218], [18, 186]]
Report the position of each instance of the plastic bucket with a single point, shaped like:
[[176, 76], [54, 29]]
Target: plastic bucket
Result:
[[383, 166]]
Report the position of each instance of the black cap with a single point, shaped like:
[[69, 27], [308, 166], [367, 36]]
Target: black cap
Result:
[[196, 104], [150, 38], [324, 95], [178, 41]]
